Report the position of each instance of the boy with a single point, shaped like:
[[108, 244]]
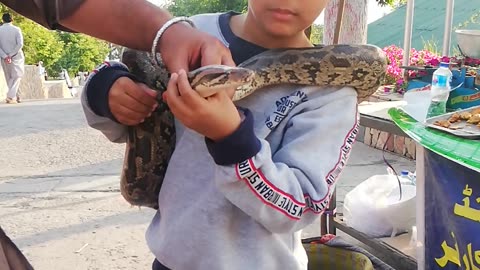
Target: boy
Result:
[[245, 178]]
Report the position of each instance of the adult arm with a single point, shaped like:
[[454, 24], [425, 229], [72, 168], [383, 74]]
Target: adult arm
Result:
[[131, 24], [128, 23], [19, 43], [44, 12], [118, 21]]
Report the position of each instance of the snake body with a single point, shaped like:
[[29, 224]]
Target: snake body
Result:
[[151, 143]]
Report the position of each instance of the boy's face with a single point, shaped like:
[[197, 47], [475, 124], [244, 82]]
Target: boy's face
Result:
[[284, 18]]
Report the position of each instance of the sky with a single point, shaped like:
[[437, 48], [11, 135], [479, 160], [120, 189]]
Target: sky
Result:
[[374, 11]]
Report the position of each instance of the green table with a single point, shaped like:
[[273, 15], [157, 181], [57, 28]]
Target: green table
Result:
[[448, 196]]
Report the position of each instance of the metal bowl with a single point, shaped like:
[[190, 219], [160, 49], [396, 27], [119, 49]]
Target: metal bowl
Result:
[[469, 42]]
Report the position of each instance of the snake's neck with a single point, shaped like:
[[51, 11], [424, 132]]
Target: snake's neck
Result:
[[276, 76], [264, 79]]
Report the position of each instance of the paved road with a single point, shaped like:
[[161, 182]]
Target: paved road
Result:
[[59, 194]]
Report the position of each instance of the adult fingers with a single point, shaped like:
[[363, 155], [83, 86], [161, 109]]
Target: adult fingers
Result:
[[214, 53]]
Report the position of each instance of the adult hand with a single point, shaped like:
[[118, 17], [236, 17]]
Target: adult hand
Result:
[[131, 102], [187, 48], [8, 60]]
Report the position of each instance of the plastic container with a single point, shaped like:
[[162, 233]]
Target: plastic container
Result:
[[440, 91], [417, 104], [374, 206], [407, 178]]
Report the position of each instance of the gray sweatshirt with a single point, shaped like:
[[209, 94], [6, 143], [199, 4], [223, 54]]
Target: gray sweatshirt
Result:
[[248, 213]]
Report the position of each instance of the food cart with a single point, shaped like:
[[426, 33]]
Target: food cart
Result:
[[448, 175], [448, 195]]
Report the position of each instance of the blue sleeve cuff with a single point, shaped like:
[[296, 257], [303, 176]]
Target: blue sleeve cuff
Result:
[[99, 86], [239, 146]]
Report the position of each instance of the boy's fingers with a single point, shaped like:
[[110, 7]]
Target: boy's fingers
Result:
[[133, 105], [172, 90], [230, 93], [127, 116], [173, 98], [126, 87], [148, 90], [189, 96], [138, 93]]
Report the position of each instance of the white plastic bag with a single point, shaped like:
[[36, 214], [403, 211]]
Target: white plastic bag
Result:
[[374, 207]]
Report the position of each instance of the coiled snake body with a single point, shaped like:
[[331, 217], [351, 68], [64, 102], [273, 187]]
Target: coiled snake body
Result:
[[151, 143]]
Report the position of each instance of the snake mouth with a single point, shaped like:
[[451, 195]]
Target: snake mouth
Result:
[[240, 76]]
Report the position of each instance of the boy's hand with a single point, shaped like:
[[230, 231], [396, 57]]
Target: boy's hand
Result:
[[131, 102], [215, 117]]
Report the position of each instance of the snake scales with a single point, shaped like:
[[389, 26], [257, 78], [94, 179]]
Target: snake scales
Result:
[[151, 143]]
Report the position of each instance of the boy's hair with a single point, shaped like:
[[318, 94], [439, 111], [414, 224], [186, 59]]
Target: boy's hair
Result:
[[6, 17]]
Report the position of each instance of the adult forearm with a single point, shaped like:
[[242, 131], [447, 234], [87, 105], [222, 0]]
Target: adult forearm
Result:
[[125, 22]]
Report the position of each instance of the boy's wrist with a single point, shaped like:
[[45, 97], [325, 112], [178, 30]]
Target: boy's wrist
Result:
[[227, 130], [238, 146]]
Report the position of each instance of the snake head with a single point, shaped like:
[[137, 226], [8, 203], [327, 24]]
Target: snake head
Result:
[[211, 79]]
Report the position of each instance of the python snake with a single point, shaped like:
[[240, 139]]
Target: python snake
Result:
[[150, 144]]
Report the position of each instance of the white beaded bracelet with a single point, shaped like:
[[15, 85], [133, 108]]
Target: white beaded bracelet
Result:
[[162, 30]]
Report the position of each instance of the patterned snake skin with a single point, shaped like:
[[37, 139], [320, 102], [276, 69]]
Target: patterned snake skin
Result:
[[151, 143]]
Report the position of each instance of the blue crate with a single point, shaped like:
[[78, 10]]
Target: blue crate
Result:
[[463, 97]]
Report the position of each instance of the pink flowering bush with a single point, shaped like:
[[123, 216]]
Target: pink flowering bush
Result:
[[420, 58], [464, 61], [417, 58]]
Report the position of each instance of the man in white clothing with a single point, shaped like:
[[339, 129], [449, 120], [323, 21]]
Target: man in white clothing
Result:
[[13, 59]]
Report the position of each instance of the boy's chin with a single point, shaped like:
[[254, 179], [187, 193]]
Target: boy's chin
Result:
[[283, 33]]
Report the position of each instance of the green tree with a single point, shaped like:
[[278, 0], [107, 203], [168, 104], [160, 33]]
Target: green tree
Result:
[[316, 36], [81, 53], [40, 44], [392, 3], [56, 49]]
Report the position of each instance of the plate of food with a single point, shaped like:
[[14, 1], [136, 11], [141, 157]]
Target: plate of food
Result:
[[463, 123]]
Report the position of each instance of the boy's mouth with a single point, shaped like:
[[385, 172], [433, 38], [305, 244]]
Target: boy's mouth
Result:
[[282, 13]]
